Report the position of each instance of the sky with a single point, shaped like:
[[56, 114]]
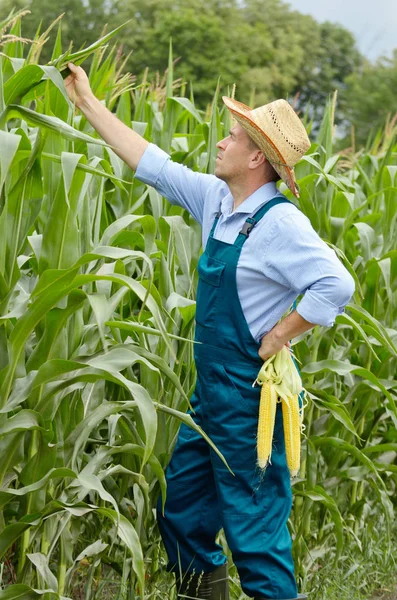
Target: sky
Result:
[[373, 22]]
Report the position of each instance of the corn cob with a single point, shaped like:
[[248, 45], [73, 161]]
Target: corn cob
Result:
[[267, 415], [292, 430], [280, 382]]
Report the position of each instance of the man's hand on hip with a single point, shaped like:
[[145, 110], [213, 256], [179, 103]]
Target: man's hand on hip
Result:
[[290, 327], [270, 346]]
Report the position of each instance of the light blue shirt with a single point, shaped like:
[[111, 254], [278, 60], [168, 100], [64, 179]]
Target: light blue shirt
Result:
[[282, 258]]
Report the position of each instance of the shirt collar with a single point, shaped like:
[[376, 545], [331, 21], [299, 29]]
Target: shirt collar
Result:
[[262, 195]]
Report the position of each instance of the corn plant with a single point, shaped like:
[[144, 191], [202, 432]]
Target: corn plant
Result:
[[349, 371], [97, 303], [96, 350]]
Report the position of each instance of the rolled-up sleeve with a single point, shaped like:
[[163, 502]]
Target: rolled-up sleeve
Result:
[[299, 259], [176, 182]]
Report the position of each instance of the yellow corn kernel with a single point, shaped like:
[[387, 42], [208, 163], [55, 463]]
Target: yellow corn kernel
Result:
[[292, 433], [267, 415]]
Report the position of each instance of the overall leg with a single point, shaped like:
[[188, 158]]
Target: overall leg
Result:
[[191, 518], [255, 505]]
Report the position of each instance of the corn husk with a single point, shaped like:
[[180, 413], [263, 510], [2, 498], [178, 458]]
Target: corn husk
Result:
[[280, 373]]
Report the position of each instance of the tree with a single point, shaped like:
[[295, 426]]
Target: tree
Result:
[[205, 37], [269, 50], [281, 48], [370, 96], [330, 61]]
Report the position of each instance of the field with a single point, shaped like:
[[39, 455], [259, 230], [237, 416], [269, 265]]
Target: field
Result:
[[97, 304]]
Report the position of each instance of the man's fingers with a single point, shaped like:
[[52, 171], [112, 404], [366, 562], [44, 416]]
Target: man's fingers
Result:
[[77, 72]]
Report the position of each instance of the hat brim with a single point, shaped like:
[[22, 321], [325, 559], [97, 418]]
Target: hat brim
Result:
[[241, 113]]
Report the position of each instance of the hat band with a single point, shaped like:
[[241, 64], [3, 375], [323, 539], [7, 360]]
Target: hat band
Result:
[[275, 162]]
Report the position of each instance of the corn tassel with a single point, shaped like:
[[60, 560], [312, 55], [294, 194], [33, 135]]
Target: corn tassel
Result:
[[292, 433], [267, 415]]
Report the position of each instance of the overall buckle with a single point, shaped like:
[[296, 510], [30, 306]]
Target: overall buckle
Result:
[[248, 226]]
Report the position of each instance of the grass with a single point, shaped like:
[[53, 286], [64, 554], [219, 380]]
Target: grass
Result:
[[359, 575], [370, 574]]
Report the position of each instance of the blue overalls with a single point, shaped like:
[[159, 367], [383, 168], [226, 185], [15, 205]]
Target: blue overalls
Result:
[[202, 495]]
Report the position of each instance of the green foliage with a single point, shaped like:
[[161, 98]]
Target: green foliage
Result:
[[95, 341], [97, 279], [82, 22], [370, 96], [328, 63], [264, 47], [204, 36]]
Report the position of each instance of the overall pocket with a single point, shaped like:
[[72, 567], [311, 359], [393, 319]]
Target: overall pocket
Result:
[[208, 292]]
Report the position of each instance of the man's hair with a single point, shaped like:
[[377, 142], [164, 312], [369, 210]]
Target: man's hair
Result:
[[251, 144], [270, 170]]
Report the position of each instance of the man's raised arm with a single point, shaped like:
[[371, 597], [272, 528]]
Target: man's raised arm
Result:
[[128, 144], [176, 182]]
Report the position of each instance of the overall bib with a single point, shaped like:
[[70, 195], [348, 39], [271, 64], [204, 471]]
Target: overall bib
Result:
[[202, 495]]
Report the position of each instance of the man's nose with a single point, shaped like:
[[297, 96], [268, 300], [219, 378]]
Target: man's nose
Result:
[[220, 144]]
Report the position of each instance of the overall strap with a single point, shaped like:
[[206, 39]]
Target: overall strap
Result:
[[218, 214], [256, 217]]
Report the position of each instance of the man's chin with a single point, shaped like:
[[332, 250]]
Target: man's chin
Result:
[[218, 173]]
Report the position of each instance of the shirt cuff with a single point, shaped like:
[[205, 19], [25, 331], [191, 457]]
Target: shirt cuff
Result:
[[318, 310], [151, 164]]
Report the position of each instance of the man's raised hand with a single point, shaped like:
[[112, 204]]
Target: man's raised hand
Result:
[[77, 85]]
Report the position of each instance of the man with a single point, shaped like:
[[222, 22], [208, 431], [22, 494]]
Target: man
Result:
[[260, 254]]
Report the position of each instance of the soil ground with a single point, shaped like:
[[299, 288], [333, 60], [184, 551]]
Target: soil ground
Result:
[[386, 593]]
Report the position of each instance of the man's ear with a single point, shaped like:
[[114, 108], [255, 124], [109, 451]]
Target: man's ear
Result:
[[258, 159]]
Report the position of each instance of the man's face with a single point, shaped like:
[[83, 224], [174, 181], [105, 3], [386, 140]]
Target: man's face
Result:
[[234, 155]]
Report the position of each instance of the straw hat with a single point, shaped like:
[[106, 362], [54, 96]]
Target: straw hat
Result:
[[279, 133]]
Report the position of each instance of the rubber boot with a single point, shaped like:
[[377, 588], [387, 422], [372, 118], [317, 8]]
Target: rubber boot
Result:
[[204, 586], [300, 597]]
